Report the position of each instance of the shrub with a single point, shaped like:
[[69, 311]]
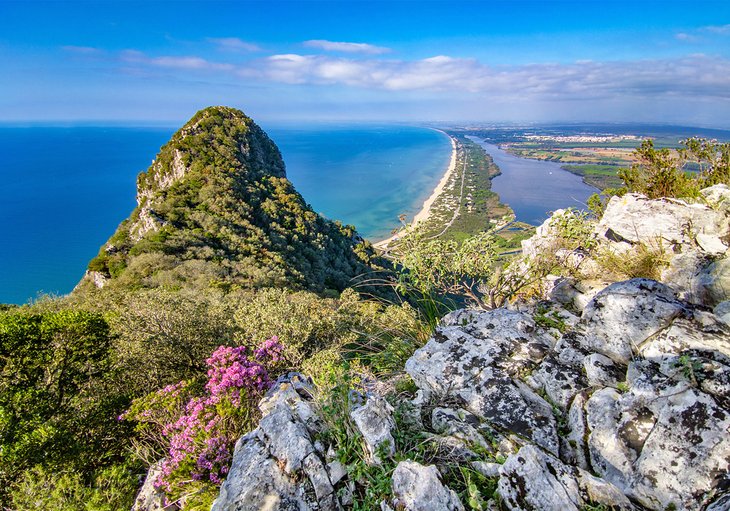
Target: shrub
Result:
[[197, 430], [574, 229], [164, 337], [661, 172], [56, 405], [111, 489], [642, 260], [658, 173], [469, 270]]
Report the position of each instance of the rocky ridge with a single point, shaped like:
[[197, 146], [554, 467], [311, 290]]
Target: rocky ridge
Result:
[[602, 395]]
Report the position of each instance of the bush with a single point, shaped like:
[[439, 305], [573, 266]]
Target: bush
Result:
[[111, 489], [661, 172], [643, 260], [197, 431], [56, 405], [164, 337]]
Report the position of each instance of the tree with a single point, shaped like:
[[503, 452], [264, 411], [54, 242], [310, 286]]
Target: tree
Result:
[[664, 172], [472, 269], [55, 409]]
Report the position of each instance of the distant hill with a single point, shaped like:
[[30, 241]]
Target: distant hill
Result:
[[215, 209]]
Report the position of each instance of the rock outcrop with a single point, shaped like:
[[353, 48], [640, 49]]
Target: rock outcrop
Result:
[[622, 403]]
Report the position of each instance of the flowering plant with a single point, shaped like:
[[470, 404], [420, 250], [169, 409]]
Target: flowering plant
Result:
[[196, 433]]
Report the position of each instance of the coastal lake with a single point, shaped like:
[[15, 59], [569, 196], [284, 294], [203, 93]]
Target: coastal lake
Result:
[[535, 188], [65, 189]]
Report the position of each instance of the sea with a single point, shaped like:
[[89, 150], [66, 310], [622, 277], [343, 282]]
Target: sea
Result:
[[65, 189]]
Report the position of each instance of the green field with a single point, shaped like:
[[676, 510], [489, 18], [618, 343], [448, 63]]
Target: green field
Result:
[[600, 176]]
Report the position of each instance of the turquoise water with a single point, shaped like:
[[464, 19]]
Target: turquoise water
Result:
[[364, 176], [65, 190]]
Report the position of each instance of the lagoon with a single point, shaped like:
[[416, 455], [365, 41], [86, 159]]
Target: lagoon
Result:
[[535, 188]]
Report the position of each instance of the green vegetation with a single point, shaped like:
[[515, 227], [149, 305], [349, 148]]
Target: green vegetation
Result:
[[665, 172], [412, 442], [223, 259], [471, 271], [216, 210], [467, 206], [599, 176], [59, 404], [661, 172]]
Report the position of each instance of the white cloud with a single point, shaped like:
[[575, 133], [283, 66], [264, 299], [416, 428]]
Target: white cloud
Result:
[[684, 36], [695, 76], [233, 44], [717, 29], [191, 63], [82, 50], [344, 47]]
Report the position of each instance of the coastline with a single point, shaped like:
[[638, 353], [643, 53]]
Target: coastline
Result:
[[425, 210]]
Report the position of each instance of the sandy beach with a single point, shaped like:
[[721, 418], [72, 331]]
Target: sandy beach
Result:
[[425, 210]]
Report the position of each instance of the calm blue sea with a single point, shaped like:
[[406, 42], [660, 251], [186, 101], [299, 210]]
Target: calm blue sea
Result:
[[65, 190]]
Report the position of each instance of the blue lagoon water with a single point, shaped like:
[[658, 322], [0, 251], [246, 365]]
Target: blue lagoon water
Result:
[[65, 190], [535, 188]]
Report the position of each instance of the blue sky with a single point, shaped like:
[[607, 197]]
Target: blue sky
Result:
[[484, 61]]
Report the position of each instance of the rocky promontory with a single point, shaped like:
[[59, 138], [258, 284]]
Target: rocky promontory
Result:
[[590, 393]]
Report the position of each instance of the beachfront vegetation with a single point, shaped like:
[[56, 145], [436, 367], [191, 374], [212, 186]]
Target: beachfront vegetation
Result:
[[467, 206]]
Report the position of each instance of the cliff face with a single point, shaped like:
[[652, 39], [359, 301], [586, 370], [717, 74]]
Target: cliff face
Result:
[[215, 209], [600, 396]]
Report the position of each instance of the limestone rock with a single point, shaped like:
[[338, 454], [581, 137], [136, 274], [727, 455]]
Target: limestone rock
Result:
[[624, 314], [418, 488], [375, 422], [532, 479], [601, 371], [713, 281], [150, 498], [459, 424], [278, 466], [635, 218], [573, 449], [489, 470], [255, 481], [560, 382], [664, 443], [718, 198], [722, 311], [479, 363]]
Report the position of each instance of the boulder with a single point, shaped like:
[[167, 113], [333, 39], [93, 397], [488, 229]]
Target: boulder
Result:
[[149, 498], [664, 443], [718, 198], [418, 488], [722, 311], [624, 314], [375, 421], [533, 479], [601, 371], [279, 466], [634, 218], [479, 363]]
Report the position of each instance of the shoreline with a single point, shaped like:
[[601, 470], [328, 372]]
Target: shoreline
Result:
[[425, 211]]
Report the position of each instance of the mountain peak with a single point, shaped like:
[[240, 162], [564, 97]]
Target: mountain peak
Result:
[[215, 209]]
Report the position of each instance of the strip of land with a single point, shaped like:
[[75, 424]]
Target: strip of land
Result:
[[427, 206]]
